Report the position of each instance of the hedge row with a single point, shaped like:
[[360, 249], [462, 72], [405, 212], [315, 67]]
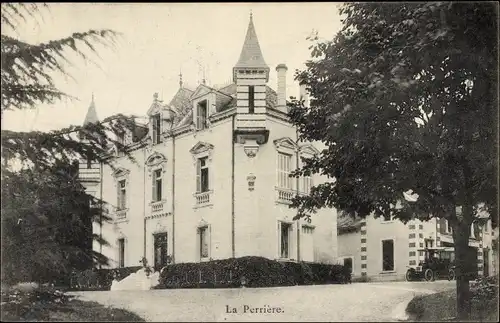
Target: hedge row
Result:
[[97, 279], [250, 272]]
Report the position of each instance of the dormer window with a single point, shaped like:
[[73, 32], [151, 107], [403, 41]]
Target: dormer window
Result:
[[202, 115], [156, 120], [120, 137]]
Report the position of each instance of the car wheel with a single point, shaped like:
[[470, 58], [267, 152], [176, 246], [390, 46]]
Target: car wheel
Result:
[[429, 275], [409, 275], [451, 274]]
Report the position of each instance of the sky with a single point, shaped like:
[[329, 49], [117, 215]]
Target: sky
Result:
[[160, 41]]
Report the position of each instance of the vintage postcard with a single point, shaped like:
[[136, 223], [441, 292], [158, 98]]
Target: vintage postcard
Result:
[[209, 162]]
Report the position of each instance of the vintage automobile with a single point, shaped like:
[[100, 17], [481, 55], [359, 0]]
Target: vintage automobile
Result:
[[438, 262]]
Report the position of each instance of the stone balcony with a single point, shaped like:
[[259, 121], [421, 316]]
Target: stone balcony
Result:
[[284, 195], [157, 207], [203, 199], [121, 214]]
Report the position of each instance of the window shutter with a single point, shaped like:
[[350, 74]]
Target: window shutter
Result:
[[159, 195], [154, 131], [198, 176], [153, 186], [159, 128], [442, 225], [124, 197], [198, 116], [209, 240], [118, 195], [278, 244]]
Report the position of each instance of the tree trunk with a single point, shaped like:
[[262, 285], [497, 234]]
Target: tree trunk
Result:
[[461, 232]]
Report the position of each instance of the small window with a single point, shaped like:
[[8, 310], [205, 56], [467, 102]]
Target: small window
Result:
[[285, 240], [203, 242], [202, 174], [387, 255], [306, 184], [121, 140], [202, 115], [157, 185], [122, 195], [156, 129], [251, 99], [448, 227], [121, 253], [284, 170]]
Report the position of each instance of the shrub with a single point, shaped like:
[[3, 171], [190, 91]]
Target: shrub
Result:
[[250, 272], [98, 279], [485, 293]]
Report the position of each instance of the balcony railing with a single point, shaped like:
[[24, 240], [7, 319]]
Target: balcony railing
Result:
[[203, 198], [121, 214], [157, 206], [284, 195]]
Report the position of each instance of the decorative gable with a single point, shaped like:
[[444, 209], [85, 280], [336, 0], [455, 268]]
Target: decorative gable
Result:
[[309, 149], [285, 142], [201, 90], [120, 172], [201, 147], [155, 107], [155, 159]]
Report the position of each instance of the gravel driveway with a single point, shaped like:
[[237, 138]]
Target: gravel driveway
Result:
[[353, 302]]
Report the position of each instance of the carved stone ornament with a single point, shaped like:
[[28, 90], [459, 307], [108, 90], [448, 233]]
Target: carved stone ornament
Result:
[[251, 150], [251, 182]]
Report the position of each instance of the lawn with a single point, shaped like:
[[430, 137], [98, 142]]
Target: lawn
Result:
[[442, 307], [22, 307]]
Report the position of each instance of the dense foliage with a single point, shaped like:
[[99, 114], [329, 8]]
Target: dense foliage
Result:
[[250, 272], [46, 219], [405, 100], [47, 224]]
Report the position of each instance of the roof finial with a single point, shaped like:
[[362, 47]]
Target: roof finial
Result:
[[92, 97], [204, 80], [180, 77], [251, 15]]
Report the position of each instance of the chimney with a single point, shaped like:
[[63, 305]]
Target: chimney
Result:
[[281, 69], [304, 95]]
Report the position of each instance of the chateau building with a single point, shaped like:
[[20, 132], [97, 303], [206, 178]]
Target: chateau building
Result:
[[210, 176]]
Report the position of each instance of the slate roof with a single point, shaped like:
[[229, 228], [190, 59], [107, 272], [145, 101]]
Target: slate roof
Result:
[[91, 116], [180, 103], [251, 54]]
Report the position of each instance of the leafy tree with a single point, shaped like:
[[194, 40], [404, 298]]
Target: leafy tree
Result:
[[47, 224], [27, 81], [44, 211], [405, 100]]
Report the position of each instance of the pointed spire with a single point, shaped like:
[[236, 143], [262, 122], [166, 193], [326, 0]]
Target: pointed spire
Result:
[[91, 116], [251, 55]]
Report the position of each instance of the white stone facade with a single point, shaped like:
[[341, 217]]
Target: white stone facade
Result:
[[210, 183]]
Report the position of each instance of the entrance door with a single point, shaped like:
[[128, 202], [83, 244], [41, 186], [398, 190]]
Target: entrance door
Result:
[[486, 262], [348, 263], [160, 246]]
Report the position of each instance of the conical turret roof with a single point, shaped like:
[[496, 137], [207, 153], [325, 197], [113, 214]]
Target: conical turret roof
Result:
[[251, 55], [91, 116]]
